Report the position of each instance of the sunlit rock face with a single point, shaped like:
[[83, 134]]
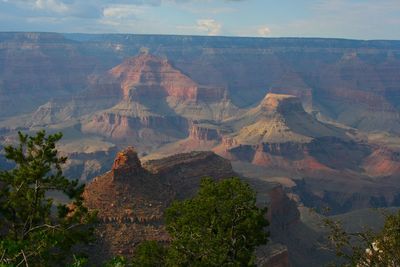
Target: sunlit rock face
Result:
[[150, 76], [126, 163]]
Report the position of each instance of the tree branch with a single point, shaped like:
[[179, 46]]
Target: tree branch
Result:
[[24, 260]]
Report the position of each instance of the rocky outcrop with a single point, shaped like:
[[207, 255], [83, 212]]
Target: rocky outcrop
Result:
[[157, 100], [134, 127], [279, 134], [304, 94], [339, 154], [204, 132], [211, 94], [148, 76], [184, 171], [279, 119], [282, 212], [321, 154], [382, 162], [283, 216], [281, 103], [131, 198], [126, 164]]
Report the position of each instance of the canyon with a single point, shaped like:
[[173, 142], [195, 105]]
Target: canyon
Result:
[[131, 199], [309, 123]]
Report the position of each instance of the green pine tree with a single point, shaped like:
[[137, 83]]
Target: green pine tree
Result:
[[34, 231], [220, 226]]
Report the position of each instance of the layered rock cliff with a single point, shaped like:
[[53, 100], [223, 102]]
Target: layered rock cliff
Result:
[[131, 198], [205, 132], [151, 77], [336, 77], [157, 101], [87, 158], [209, 93], [278, 133]]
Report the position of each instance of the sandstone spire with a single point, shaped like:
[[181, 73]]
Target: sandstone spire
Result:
[[126, 163]]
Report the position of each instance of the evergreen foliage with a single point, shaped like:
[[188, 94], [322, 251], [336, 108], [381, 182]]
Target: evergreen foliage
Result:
[[34, 229], [220, 226], [149, 254]]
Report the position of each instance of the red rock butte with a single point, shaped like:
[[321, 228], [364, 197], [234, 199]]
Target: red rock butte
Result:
[[126, 163], [149, 74], [281, 103], [131, 198]]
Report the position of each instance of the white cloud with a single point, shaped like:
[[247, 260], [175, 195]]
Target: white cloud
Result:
[[210, 26], [263, 31], [57, 6], [122, 11], [125, 18]]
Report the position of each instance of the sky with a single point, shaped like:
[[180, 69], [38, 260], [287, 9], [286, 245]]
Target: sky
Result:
[[354, 19]]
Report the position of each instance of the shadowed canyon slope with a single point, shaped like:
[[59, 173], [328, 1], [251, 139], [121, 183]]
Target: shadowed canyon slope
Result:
[[132, 197], [315, 119], [323, 111]]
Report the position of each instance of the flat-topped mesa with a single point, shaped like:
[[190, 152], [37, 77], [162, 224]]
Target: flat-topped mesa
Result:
[[281, 103], [126, 163]]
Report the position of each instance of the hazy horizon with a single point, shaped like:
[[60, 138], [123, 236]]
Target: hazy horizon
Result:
[[208, 36], [352, 19]]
